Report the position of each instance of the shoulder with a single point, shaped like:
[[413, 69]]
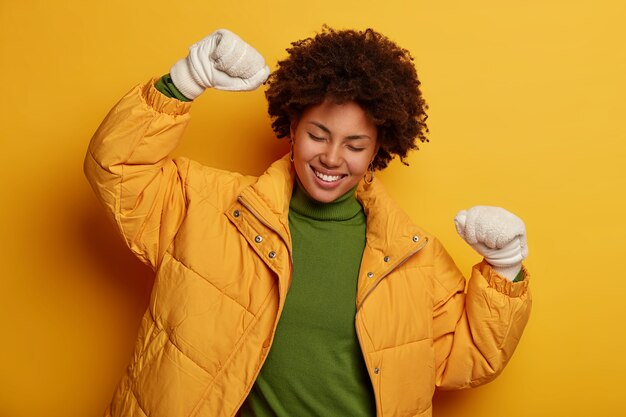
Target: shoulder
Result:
[[217, 186]]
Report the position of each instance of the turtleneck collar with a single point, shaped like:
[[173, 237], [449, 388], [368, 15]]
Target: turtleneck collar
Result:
[[344, 208]]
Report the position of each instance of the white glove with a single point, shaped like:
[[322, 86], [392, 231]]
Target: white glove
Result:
[[221, 60], [496, 234]]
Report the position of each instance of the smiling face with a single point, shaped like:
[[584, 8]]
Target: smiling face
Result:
[[333, 147]]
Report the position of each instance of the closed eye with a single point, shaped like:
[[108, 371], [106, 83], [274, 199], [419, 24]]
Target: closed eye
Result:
[[355, 149], [315, 138]]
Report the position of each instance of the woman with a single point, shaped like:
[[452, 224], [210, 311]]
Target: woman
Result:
[[305, 291]]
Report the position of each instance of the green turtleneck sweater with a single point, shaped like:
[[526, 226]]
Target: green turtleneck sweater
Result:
[[315, 366]]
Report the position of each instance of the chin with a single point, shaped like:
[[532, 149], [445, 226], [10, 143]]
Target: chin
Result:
[[324, 198], [327, 195]]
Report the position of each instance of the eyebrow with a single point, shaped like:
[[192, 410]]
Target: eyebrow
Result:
[[325, 129]]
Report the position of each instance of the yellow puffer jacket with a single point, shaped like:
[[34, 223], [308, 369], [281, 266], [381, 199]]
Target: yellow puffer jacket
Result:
[[219, 289]]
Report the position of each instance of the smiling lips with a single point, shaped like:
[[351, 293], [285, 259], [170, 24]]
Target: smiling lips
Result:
[[327, 178]]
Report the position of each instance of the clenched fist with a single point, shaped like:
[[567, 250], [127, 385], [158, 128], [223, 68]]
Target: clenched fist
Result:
[[222, 60], [498, 235]]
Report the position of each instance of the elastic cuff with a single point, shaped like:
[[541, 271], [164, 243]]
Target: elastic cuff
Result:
[[501, 284], [161, 103], [167, 87]]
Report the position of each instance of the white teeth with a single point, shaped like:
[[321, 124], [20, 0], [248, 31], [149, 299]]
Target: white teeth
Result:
[[327, 178]]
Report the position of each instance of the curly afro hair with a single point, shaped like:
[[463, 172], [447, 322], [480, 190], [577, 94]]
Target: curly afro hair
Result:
[[361, 66]]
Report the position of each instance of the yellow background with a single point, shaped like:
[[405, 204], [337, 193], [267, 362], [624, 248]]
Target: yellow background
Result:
[[526, 112]]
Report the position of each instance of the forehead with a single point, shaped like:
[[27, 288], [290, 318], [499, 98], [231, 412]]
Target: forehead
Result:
[[339, 117]]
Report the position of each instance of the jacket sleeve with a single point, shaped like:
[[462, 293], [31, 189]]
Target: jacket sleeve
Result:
[[129, 167], [475, 333]]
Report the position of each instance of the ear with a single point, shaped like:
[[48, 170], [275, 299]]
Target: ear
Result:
[[292, 128], [375, 152]]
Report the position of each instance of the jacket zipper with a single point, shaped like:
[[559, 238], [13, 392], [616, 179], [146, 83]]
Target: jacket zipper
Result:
[[266, 223], [406, 258], [358, 333]]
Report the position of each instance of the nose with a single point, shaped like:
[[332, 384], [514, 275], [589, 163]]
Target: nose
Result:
[[331, 156]]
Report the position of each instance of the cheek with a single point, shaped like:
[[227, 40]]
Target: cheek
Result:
[[306, 150], [360, 169], [302, 156], [361, 164], [300, 150]]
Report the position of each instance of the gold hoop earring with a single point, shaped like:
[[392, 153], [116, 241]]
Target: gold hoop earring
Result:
[[291, 152], [371, 171]]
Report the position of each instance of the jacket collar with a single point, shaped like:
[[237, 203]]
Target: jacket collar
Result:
[[386, 222], [270, 195], [392, 238], [388, 226]]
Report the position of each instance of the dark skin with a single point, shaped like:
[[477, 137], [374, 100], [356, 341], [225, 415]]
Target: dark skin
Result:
[[349, 66]]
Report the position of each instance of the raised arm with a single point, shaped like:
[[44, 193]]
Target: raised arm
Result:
[[475, 333], [128, 161]]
